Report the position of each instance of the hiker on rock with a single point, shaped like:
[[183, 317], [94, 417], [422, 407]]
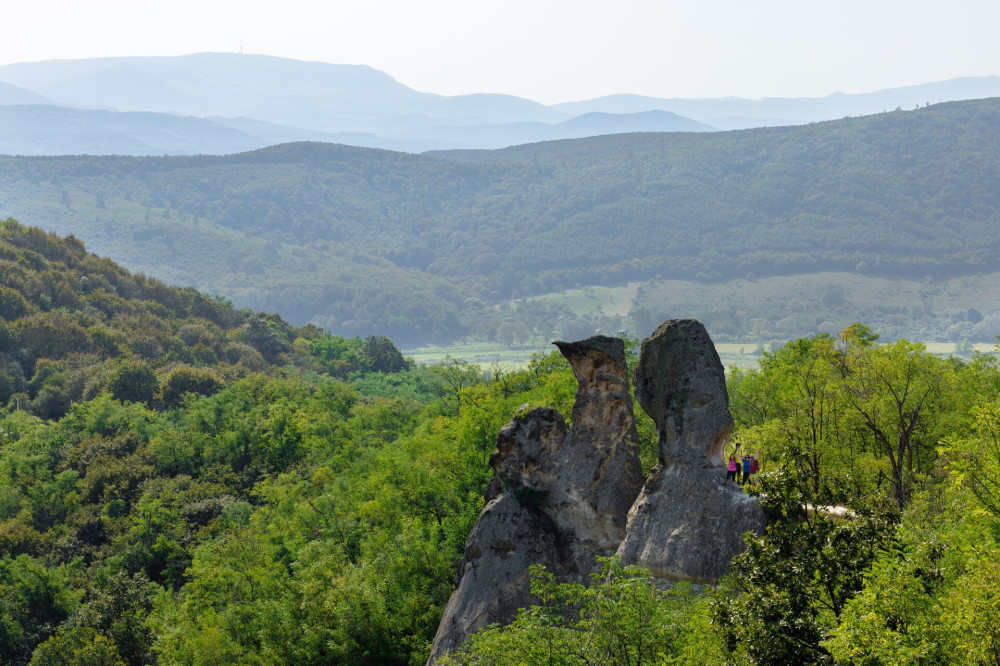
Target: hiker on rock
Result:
[[732, 470]]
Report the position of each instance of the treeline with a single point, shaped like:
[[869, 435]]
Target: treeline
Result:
[[414, 243]]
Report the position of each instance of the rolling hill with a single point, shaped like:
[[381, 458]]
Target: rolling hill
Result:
[[433, 247]]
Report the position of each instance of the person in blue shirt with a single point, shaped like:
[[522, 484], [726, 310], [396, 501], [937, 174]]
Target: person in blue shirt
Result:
[[747, 459]]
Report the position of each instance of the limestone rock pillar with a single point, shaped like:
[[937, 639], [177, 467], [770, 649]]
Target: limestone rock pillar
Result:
[[686, 524]]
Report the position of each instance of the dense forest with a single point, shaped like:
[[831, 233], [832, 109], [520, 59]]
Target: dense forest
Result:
[[186, 483], [182, 482], [427, 248]]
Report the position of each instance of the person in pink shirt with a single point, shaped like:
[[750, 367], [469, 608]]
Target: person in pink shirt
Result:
[[731, 471]]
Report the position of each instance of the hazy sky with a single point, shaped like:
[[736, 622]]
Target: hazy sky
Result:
[[547, 50]]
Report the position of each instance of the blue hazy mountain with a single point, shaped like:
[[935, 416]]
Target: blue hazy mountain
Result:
[[219, 102], [589, 124], [310, 95], [740, 113], [250, 101], [11, 94], [57, 130], [597, 123]]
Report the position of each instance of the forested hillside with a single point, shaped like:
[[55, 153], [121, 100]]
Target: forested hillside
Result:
[[185, 483], [182, 482], [423, 248]]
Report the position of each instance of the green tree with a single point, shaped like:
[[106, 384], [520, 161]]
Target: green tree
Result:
[[381, 355], [80, 647], [12, 304], [265, 336], [787, 590], [181, 381], [619, 618], [34, 600], [133, 382], [935, 596], [975, 458], [895, 392]]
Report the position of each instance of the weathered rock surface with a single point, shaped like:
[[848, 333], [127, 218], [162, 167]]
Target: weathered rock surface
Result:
[[686, 523], [558, 498]]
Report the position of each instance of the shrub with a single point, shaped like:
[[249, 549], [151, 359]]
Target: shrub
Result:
[[189, 380]]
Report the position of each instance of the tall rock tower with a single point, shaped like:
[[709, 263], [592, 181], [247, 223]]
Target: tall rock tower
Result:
[[561, 498], [557, 498], [686, 524]]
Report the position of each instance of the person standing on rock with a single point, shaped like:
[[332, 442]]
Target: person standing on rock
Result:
[[754, 465], [732, 471], [747, 459]]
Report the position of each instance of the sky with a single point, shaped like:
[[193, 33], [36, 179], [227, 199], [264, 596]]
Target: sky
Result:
[[547, 50]]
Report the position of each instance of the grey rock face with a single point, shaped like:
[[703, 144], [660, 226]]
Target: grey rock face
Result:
[[492, 579], [558, 498], [681, 384], [686, 523], [599, 471]]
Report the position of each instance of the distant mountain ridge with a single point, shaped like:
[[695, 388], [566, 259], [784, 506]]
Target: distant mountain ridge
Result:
[[39, 129], [740, 113], [46, 129], [11, 94], [312, 95], [273, 100]]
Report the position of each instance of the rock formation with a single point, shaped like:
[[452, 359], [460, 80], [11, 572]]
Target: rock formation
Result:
[[562, 498], [686, 523], [557, 498]]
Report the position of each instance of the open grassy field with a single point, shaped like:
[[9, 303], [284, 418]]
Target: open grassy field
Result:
[[483, 354], [594, 300], [739, 354]]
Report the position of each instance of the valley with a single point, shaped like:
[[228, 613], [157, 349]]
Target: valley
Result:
[[766, 234], [277, 383]]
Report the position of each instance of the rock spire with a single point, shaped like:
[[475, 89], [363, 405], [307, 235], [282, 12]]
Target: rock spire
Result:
[[686, 524], [561, 497]]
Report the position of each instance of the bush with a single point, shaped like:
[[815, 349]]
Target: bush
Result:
[[133, 382], [12, 304], [182, 381]]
